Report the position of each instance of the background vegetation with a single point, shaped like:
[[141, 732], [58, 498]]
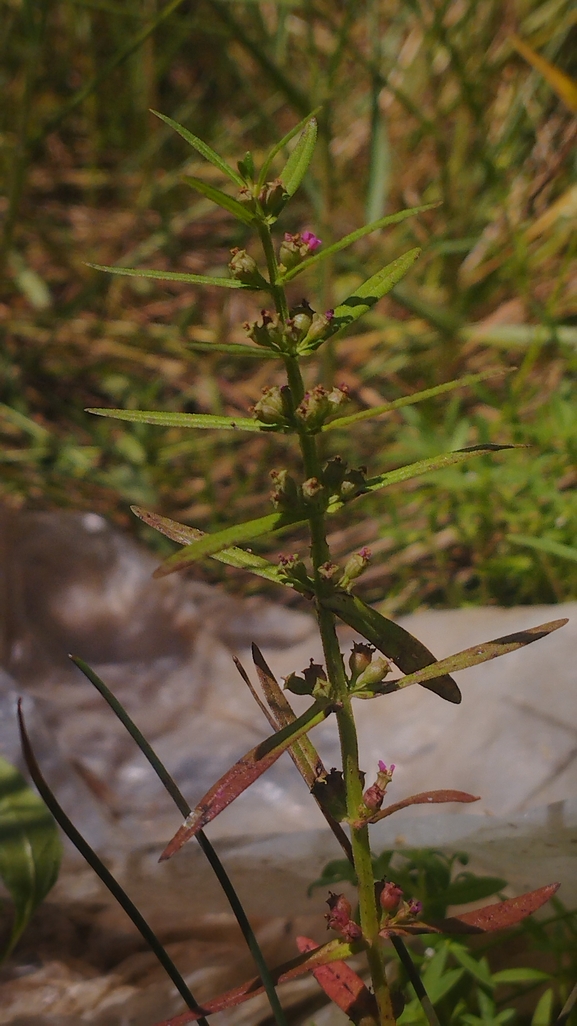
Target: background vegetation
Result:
[[424, 100]]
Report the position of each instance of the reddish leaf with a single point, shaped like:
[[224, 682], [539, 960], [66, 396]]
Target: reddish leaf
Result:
[[243, 774], [425, 798], [334, 951], [500, 915], [343, 986]]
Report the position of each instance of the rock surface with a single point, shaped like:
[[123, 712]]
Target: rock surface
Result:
[[72, 583]]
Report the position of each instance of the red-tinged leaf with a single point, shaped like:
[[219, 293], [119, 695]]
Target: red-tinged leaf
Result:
[[344, 987], [501, 915], [243, 774], [335, 951], [425, 798]]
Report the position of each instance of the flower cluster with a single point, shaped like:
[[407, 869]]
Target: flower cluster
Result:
[[296, 248], [396, 912]]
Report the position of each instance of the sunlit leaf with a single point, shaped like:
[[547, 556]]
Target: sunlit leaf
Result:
[[448, 459], [425, 798], [347, 240], [235, 349], [210, 544], [473, 656], [344, 987], [204, 421], [543, 1013], [407, 652], [244, 773], [283, 142], [203, 148], [222, 199], [184, 535], [410, 400], [369, 293], [30, 848], [190, 279], [335, 951], [296, 166]]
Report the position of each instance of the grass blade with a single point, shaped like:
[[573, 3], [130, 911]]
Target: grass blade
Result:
[[101, 871], [201, 147], [552, 548], [184, 808]]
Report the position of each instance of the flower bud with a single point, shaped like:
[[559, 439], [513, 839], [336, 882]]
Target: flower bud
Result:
[[333, 474], [360, 658], [244, 268], [374, 673], [296, 248], [339, 917], [267, 334], [354, 483], [297, 685], [311, 488], [390, 897], [354, 567], [273, 197], [318, 331], [273, 406], [246, 167], [315, 677], [285, 494]]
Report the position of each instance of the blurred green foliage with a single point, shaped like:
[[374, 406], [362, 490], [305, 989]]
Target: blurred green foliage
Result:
[[422, 102]]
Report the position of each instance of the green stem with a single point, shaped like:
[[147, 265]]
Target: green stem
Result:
[[278, 292]]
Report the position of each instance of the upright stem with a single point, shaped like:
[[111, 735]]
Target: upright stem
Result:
[[336, 674]]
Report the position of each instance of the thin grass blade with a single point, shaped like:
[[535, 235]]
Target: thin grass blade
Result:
[[547, 545], [102, 872]]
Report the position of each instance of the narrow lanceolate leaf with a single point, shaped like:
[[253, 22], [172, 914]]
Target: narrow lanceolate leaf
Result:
[[184, 535], [407, 652], [447, 459], [30, 849], [500, 915], [371, 291], [203, 148], [204, 421], [210, 544], [191, 279], [243, 774], [410, 400], [236, 349], [222, 199], [335, 951], [347, 240], [473, 656], [296, 166], [281, 145], [344, 987], [425, 798]]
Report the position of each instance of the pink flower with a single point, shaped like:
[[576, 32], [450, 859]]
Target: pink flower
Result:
[[311, 241]]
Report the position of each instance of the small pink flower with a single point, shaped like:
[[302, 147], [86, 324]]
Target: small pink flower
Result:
[[383, 768], [415, 907], [390, 897], [311, 241]]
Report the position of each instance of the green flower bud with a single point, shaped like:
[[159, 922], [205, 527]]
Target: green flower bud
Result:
[[360, 658], [318, 332], [286, 493], [374, 673], [272, 406], [246, 167], [244, 268], [297, 685], [272, 198]]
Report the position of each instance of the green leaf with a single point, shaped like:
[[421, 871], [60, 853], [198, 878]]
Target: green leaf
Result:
[[184, 535], [210, 544], [191, 279], [473, 656], [296, 166], [476, 968], [448, 459], [543, 1012], [521, 975], [30, 848], [205, 421], [222, 199], [281, 145], [370, 292], [552, 548], [203, 148], [359, 233], [410, 400], [235, 349], [407, 652]]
